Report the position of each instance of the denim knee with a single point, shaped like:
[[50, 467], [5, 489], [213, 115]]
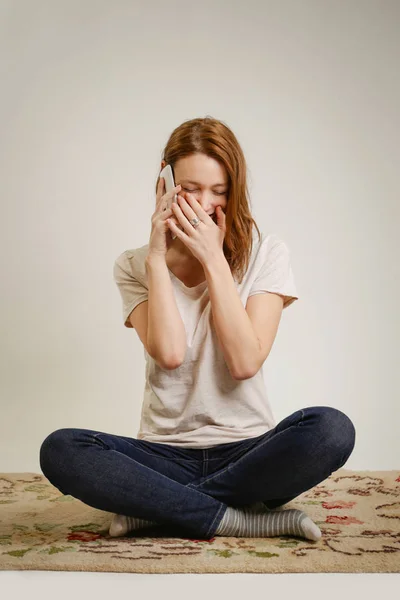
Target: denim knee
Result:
[[52, 449], [338, 430]]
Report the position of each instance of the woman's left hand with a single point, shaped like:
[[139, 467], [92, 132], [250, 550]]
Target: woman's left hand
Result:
[[206, 239]]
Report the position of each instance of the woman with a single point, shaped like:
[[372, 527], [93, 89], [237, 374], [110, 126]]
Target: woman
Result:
[[206, 300]]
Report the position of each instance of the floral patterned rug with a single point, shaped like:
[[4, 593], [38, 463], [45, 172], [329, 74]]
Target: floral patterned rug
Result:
[[358, 513]]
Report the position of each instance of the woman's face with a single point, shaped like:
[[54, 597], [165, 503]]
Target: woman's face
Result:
[[205, 178]]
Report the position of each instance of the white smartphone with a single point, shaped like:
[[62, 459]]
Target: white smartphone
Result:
[[168, 176]]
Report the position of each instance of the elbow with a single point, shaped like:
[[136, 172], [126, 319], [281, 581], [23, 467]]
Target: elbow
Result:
[[167, 361], [242, 377], [176, 362], [246, 374], [170, 364], [249, 368]]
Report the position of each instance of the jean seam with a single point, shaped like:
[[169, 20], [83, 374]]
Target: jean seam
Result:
[[214, 519]]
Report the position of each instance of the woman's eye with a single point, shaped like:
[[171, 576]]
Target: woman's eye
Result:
[[191, 192]]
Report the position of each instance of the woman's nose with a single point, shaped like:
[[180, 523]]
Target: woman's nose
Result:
[[204, 201]]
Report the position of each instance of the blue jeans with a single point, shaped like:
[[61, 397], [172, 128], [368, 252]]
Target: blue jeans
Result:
[[188, 489]]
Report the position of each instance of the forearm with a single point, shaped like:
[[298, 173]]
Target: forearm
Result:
[[166, 334], [234, 329]]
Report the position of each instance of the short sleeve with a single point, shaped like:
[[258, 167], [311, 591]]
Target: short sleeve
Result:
[[276, 274], [132, 291]]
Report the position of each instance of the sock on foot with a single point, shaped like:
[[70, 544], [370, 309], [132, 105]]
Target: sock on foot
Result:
[[122, 524], [250, 523]]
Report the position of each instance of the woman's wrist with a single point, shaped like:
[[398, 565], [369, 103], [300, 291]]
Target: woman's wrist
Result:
[[156, 257]]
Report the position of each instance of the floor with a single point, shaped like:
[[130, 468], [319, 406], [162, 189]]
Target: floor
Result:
[[310, 586]]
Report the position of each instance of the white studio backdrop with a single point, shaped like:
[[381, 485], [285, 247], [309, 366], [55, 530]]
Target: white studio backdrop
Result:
[[90, 92]]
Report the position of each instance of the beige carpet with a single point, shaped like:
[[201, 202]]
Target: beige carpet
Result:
[[358, 513]]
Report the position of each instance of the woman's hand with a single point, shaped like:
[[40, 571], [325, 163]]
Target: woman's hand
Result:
[[160, 236], [206, 239]]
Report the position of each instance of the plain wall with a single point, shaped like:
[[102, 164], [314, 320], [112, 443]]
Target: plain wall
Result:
[[90, 92]]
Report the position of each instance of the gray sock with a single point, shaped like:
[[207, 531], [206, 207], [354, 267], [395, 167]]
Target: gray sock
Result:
[[122, 524], [246, 522]]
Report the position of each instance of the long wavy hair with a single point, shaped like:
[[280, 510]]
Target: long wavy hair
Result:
[[213, 138]]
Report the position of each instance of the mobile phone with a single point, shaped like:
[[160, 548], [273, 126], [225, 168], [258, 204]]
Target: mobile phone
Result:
[[168, 176]]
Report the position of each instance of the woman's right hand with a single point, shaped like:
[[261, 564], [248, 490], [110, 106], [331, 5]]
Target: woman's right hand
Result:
[[161, 236]]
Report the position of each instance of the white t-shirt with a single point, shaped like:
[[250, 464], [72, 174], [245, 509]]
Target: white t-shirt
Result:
[[199, 404]]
